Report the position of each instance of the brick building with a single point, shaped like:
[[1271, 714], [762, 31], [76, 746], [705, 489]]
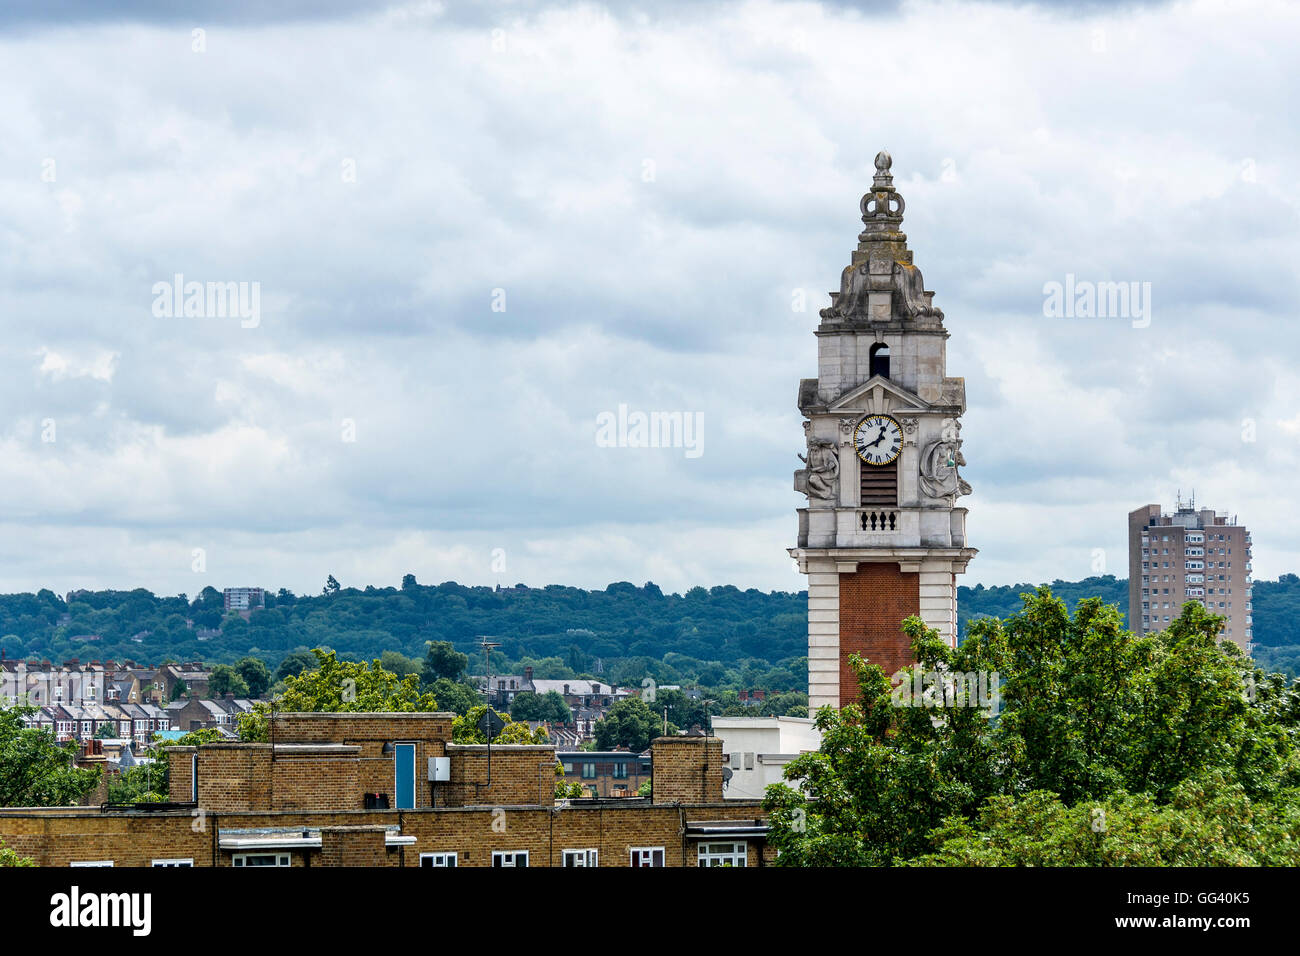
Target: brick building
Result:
[[606, 773], [393, 790], [1190, 555]]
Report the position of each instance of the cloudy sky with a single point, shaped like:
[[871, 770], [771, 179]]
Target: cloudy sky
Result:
[[473, 230]]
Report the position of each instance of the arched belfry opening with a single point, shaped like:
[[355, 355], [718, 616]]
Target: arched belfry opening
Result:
[[880, 359]]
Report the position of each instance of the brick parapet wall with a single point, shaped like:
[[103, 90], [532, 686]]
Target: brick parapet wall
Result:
[[379, 728], [316, 780], [353, 846], [686, 769], [235, 777], [521, 775], [179, 774]]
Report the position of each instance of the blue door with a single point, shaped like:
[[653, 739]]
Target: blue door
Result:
[[404, 781]]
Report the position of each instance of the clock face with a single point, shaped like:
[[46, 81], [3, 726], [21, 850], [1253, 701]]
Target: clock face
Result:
[[878, 439]]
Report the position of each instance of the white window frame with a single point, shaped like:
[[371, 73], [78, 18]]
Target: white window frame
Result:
[[513, 855], [644, 855], [714, 854], [439, 859], [176, 862], [587, 857], [281, 859], [91, 863]]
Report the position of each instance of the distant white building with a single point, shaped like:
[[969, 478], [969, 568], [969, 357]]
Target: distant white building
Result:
[[243, 599], [757, 749]]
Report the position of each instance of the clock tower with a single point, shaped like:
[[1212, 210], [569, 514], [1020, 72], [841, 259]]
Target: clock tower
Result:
[[881, 536]]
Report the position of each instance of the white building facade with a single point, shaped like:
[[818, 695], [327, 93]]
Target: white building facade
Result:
[[756, 750]]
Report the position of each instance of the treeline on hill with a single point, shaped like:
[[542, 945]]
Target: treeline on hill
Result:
[[716, 637]]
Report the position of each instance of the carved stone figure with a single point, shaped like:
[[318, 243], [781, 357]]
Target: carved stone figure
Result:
[[822, 476], [939, 463]]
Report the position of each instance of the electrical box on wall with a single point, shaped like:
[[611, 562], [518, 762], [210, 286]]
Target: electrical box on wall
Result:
[[440, 769]]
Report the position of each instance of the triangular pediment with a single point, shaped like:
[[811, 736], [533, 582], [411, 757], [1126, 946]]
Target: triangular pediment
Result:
[[878, 394]]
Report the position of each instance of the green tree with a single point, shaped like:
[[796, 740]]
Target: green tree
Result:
[[146, 782], [399, 664], [178, 688], [332, 586], [294, 663], [1208, 822], [464, 730], [629, 723], [225, 680], [105, 732], [10, 857], [256, 675], [453, 696], [339, 686], [193, 738], [36, 771], [549, 707], [443, 661], [683, 711], [1087, 716]]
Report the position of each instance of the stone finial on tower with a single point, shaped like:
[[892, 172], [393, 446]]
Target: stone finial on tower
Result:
[[881, 264], [884, 179], [882, 208]]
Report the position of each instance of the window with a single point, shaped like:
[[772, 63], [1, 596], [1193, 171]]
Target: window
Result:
[[580, 858], [589, 771], [620, 771], [172, 863], [261, 859], [568, 766], [722, 854], [512, 858], [91, 863], [437, 859], [647, 856], [879, 357]]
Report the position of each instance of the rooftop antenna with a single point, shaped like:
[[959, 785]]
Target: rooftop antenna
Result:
[[487, 667]]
